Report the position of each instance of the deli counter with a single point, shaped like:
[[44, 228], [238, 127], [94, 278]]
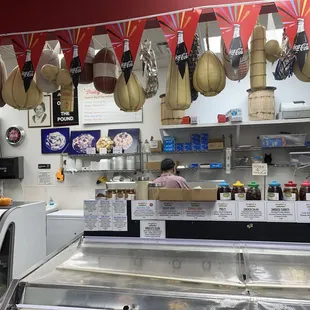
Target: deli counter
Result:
[[128, 274]]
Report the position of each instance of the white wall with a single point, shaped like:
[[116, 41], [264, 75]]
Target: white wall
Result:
[[75, 189]]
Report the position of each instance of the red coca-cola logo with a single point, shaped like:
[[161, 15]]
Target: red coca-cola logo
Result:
[[181, 57], [236, 52], [301, 47]]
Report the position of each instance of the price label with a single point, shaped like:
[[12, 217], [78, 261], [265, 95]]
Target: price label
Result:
[[153, 229], [280, 211], [259, 169], [143, 209], [251, 211], [117, 150], [91, 151], [303, 212], [103, 150], [224, 211]]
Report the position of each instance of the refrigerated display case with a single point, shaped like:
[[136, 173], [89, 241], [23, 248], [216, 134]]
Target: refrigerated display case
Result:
[[129, 274]]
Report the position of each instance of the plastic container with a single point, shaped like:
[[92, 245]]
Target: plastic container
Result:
[[275, 191], [153, 190], [300, 158], [223, 191], [268, 141], [142, 189], [253, 192], [290, 192], [238, 191], [304, 192]]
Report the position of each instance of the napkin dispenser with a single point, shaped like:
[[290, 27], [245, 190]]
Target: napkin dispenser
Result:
[[12, 167], [294, 109]]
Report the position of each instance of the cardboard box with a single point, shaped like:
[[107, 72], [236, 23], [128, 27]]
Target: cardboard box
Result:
[[153, 165], [174, 194], [156, 146], [204, 194], [215, 144]]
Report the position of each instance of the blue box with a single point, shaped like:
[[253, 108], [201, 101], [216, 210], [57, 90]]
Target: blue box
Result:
[[272, 142], [187, 147], [169, 138], [204, 147], [216, 166], [196, 147], [194, 165], [204, 138], [195, 138], [179, 147]]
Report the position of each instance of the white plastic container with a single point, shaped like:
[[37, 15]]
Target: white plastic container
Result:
[[130, 163], [105, 164]]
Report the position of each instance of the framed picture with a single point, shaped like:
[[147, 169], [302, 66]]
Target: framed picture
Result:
[[128, 139], [55, 140], [41, 116], [81, 140]]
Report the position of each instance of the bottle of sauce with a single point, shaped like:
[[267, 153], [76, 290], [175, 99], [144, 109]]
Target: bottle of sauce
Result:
[[274, 191], [290, 192], [238, 191], [304, 192], [253, 192], [223, 191]]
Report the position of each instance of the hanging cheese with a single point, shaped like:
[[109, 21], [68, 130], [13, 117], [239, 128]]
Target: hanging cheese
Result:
[[178, 90], [272, 50], [129, 97], [13, 92], [3, 77]]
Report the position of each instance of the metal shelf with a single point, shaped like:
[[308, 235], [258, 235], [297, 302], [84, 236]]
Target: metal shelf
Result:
[[100, 155], [258, 148], [189, 169], [102, 171], [270, 166], [184, 152]]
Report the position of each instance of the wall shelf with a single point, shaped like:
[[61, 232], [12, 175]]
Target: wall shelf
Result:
[[184, 152], [100, 171], [258, 148], [100, 155]]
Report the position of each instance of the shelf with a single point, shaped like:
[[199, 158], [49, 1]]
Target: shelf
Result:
[[100, 155], [184, 152], [102, 171], [189, 169], [248, 123], [271, 166], [258, 148]]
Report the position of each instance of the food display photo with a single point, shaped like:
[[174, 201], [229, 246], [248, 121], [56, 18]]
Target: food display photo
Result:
[[55, 140], [83, 140], [128, 139]]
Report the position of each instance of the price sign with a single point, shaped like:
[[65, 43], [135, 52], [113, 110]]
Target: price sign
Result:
[[91, 151], [103, 150], [117, 150], [259, 169]]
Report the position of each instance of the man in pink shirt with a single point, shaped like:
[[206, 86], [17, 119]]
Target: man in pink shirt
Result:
[[168, 178]]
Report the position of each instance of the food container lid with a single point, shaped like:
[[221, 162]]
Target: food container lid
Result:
[[143, 178], [274, 183], [224, 184], [253, 184], [158, 185], [238, 184], [305, 183], [290, 184]]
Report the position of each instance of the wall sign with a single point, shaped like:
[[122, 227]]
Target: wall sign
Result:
[[65, 118], [44, 166]]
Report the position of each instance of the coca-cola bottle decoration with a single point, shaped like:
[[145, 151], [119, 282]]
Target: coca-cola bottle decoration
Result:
[[75, 66], [181, 55], [127, 61], [301, 44], [27, 72], [236, 48]]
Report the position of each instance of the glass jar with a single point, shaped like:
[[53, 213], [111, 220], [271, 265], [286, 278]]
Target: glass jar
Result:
[[238, 191], [290, 192], [111, 194], [304, 192], [223, 191], [274, 191], [253, 192], [130, 194], [121, 194], [154, 191]]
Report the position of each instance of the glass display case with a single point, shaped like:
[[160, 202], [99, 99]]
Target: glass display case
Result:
[[129, 274]]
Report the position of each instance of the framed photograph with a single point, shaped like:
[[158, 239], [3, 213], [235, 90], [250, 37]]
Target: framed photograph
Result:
[[55, 140], [41, 116], [81, 140]]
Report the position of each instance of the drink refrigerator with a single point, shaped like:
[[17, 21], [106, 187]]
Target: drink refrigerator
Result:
[[173, 274]]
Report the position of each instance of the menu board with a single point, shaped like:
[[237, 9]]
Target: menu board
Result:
[[99, 108]]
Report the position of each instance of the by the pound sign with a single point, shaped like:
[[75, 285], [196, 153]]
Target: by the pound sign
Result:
[[236, 51], [127, 64], [301, 47], [181, 57]]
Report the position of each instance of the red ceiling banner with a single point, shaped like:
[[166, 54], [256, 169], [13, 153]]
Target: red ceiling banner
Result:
[[236, 24], [179, 30], [295, 15], [28, 49], [125, 38], [74, 44]]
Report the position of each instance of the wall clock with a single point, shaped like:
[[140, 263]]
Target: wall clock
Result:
[[15, 135]]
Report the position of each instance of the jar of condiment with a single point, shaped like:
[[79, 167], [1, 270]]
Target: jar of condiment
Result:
[[154, 191], [130, 194], [253, 192], [120, 194], [142, 190], [223, 191], [238, 191], [304, 192], [111, 194], [274, 191], [290, 192]]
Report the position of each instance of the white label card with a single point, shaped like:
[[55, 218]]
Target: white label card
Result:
[[303, 212], [143, 210], [170, 210], [259, 169], [197, 211], [280, 211], [224, 211], [91, 151], [153, 229], [251, 211], [103, 151], [90, 215], [117, 150]]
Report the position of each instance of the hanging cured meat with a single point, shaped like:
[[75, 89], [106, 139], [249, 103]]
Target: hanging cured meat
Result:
[[87, 74], [3, 77]]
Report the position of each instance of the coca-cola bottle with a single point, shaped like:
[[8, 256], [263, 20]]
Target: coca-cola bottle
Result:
[[75, 66], [181, 56], [236, 48], [27, 72], [127, 61], [301, 46]]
